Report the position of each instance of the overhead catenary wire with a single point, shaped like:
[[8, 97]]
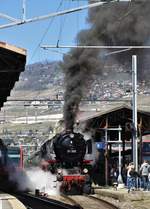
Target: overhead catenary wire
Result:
[[122, 48], [51, 15], [45, 32], [123, 16], [63, 20], [117, 52], [94, 47], [62, 23], [107, 54]]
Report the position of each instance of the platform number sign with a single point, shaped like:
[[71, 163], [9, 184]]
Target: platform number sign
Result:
[[100, 145]]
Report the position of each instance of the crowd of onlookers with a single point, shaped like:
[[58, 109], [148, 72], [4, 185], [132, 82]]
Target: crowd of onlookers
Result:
[[131, 178], [138, 179]]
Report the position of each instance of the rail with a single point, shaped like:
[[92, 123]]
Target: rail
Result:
[[90, 202], [104, 201], [38, 202]]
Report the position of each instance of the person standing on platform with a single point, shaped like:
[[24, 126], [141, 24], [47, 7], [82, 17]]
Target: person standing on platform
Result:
[[145, 170], [113, 175], [130, 176]]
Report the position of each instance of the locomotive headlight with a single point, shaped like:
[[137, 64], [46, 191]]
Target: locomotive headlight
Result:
[[85, 170], [71, 135], [59, 171]]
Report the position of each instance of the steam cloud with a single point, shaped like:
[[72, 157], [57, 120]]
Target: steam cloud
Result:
[[119, 23], [35, 178], [44, 181]]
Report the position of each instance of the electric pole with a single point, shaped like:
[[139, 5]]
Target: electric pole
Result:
[[134, 112]]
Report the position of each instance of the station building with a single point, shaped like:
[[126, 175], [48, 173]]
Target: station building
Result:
[[104, 123]]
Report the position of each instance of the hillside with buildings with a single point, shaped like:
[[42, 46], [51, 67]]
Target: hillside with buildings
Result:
[[46, 80]]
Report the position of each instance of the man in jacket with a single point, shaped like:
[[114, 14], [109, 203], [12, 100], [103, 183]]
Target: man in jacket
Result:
[[145, 170]]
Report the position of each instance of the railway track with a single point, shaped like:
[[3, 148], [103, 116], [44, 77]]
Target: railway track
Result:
[[72, 202], [90, 202], [38, 202]]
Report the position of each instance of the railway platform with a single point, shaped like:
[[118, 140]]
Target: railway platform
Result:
[[10, 202], [137, 199], [122, 194]]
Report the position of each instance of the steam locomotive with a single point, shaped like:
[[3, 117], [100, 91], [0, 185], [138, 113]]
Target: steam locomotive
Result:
[[70, 157]]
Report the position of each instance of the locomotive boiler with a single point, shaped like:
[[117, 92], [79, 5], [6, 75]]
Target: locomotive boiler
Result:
[[69, 148]]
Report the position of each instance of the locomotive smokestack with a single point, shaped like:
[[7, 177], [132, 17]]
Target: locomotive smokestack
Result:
[[116, 23]]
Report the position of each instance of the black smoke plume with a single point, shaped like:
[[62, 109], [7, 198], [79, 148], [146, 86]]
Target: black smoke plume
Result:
[[114, 23], [124, 24]]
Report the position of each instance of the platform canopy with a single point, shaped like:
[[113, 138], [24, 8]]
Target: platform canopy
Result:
[[12, 63], [114, 115]]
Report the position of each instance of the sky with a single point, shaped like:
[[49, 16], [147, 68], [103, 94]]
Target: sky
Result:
[[46, 32]]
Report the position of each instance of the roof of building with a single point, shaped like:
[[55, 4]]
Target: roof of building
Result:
[[12, 63], [106, 109]]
